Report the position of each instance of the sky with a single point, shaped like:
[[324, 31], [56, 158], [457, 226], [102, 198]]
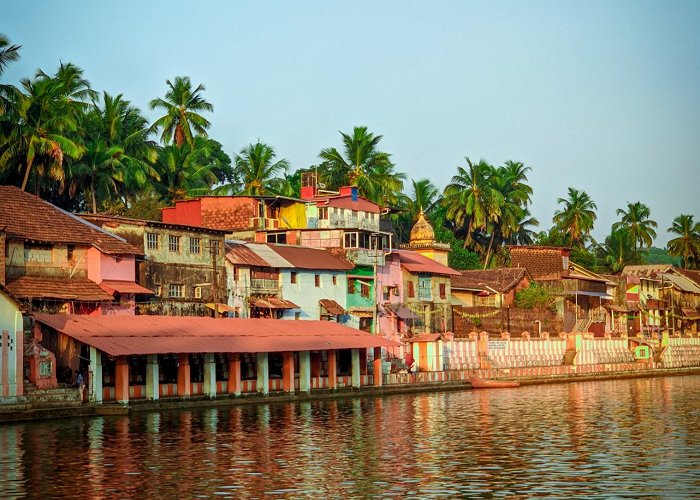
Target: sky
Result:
[[600, 96]]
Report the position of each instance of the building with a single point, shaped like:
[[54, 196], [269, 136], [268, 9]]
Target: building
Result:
[[11, 347], [183, 268], [54, 261], [488, 287]]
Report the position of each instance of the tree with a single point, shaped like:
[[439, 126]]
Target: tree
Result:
[[577, 216], [184, 171], [636, 220], [258, 170], [8, 53], [687, 244], [619, 249], [362, 165], [182, 106]]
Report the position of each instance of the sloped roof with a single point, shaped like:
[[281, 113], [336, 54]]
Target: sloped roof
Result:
[[132, 335], [542, 263], [331, 306], [311, 258], [242, 254], [346, 201], [692, 275], [121, 286], [681, 282], [28, 217], [647, 271], [416, 263], [501, 280], [30, 287], [103, 220]]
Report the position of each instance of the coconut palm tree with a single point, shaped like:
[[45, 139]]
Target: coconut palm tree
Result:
[[618, 250], [687, 244], [636, 220], [424, 197], [184, 171], [182, 106], [362, 165], [577, 216], [8, 53], [255, 165]]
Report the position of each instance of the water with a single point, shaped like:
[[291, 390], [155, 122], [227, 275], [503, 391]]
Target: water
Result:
[[615, 438]]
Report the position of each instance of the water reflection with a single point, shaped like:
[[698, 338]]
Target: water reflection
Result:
[[632, 438]]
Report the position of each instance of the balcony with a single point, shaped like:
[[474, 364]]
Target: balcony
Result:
[[364, 256], [261, 223], [347, 223], [264, 286]]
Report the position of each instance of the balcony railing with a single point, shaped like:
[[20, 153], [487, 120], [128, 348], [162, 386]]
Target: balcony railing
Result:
[[259, 285]]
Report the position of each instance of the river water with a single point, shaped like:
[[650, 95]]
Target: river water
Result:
[[612, 438]]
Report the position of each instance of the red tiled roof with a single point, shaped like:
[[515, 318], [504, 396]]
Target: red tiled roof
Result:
[[30, 287], [132, 335], [241, 254], [331, 306], [112, 286], [28, 217], [417, 263], [311, 258], [362, 204], [542, 263], [501, 280]]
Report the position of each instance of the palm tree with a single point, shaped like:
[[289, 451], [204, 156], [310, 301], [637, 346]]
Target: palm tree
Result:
[[687, 244], [362, 165], [636, 220], [8, 53], [182, 106], [577, 216], [424, 197], [258, 170], [184, 171], [619, 249]]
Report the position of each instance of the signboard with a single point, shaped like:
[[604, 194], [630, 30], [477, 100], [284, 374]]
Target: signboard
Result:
[[498, 345]]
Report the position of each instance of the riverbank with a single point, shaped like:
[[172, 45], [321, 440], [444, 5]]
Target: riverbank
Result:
[[20, 412]]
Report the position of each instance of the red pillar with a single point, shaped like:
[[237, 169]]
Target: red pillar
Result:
[[183, 376], [378, 366], [288, 371], [332, 370], [234, 374], [121, 380], [363, 361], [315, 365]]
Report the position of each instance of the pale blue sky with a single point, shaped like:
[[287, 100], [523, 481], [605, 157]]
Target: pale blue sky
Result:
[[601, 96]]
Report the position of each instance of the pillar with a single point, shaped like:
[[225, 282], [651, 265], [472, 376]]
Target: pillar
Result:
[[355, 375], [121, 380], [209, 375], [152, 377], [378, 375], [95, 376], [234, 374], [263, 370], [183, 376], [483, 351], [288, 371], [305, 371], [332, 370]]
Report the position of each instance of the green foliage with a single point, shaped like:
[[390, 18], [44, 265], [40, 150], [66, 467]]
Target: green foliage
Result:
[[576, 217], [534, 296], [655, 255], [687, 244], [459, 257]]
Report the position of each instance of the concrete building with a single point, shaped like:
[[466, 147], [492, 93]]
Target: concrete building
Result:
[[11, 347]]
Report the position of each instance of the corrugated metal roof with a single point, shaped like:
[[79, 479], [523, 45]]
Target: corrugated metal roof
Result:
[[273, 303], [501, 280], [681, 282], [131, 335], [242, 254], [331, 306], [311, 258], [267, 254], [417, 263]]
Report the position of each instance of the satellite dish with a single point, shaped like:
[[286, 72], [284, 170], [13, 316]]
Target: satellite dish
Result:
[[321, 185]]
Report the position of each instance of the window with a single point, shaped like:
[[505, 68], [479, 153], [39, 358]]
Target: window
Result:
[[293, 277], [277, 238], [317, 280], [323, 213], [173, 243], [443, 291], [565, 262], [297, 315], [411, 292], [176, 291], [335, 280], [197, 292], [69, 252], [350, 240], [158, 290], [195, 246], [351, 286], [424, 291], [364, 290], [213, 247], [152, 241], [236, 273]]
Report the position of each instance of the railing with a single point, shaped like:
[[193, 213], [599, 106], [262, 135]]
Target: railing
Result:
[[258, 285]]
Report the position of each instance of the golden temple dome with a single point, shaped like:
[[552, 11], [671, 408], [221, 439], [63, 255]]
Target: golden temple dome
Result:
[[422, 232]]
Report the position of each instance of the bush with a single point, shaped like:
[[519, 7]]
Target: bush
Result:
[[534, 296]]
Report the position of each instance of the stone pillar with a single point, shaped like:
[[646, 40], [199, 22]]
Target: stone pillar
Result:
[[332, 370], [483, 351], [209, 375], [263, 370], [121, 380], [288, 371], [95, 395], [304, 371], [378, 376], [183, 376], [234, 374], [355, 374], [152, 377]]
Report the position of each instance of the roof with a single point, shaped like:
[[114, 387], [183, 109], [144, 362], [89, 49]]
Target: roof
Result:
[[416, 263], [692, 275], [346, 201], [274, 303], [681, 282], [331, 306], [501, 280], [311, 258], [425, 337], [138, 335], [242, 254], [30, 287], [106, 220], [542, 263], [112, 286], [647, 271], [28, 217]]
